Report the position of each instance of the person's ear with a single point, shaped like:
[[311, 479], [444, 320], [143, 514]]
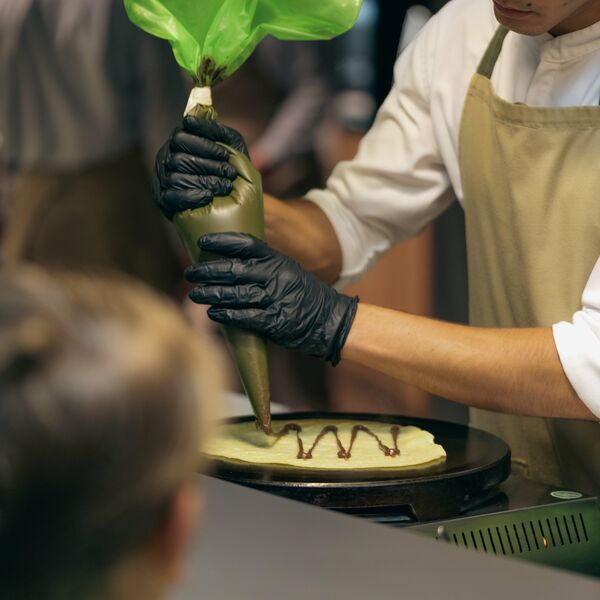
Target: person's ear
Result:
[[175, 531]]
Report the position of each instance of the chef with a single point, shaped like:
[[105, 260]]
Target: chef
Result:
[[495, 104]]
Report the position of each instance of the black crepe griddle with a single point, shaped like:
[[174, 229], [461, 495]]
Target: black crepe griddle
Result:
[[476, 463]]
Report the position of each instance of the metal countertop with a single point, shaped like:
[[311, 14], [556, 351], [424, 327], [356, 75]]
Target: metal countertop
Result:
[[254, 545]]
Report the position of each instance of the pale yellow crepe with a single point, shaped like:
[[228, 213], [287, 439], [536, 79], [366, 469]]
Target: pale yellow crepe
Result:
[[242, 442]]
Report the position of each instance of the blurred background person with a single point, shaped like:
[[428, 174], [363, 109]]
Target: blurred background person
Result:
[[278, 98], [105, 399], [6, 193], [85, 100]]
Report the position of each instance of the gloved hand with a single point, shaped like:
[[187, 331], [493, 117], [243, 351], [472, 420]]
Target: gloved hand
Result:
[[192, 167], [257, 288]]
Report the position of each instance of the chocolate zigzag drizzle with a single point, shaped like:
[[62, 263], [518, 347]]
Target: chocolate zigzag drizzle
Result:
[[333, 429]]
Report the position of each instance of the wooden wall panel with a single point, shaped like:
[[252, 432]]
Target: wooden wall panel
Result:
[[402, 280]]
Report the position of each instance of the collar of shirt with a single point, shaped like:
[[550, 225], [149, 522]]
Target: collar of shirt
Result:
[[567, 47]]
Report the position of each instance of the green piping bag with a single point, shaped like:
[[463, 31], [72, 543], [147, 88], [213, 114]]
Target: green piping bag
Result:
[[241, 211], [210, 40]]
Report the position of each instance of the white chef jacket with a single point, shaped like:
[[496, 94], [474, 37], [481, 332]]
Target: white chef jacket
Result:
[[406, 171]]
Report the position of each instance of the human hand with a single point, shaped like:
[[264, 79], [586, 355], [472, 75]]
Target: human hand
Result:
[[193, 165], [257, 288]]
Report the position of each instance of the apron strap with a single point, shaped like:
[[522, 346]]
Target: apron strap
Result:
[[488, 62]]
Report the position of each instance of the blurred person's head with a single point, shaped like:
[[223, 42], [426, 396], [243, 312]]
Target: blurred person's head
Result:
[[103, 396]]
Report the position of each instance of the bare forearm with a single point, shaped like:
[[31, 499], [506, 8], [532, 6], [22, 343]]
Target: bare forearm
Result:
[[509, 370], [301, 230]]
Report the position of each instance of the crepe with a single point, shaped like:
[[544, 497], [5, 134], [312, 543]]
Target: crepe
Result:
[[376, 445]]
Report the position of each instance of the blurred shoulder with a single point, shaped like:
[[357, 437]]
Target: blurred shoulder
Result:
[[459, 29], [13, 14]]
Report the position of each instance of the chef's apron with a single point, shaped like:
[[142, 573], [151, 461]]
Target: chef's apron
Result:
[[100, 217], [532, 208]]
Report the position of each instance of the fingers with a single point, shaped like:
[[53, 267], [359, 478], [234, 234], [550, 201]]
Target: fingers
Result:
[[191, 168], [246, 295], [192, 165], [215, 132], [227, 272], [204, 128], [235, 245], [218, 186], [201, 147]]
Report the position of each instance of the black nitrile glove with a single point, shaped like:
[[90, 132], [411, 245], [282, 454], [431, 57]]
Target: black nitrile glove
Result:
[[257, 288], [192, 168]]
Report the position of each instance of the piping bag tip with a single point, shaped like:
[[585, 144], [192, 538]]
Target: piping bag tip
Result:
[[264, 425], [249, 353]]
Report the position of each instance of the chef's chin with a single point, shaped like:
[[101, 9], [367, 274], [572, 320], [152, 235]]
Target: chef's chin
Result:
[[528, 25]]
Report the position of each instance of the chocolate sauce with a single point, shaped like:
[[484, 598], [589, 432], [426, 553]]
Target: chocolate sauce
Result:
[[296, 429], [342, 452]]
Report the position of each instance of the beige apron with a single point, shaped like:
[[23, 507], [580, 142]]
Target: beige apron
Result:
[[532, 207]]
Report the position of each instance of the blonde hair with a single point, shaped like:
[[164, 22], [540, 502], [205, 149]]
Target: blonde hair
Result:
[[104, 394]]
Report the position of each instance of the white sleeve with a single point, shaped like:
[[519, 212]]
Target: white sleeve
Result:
[[578, 345], [397, 183]]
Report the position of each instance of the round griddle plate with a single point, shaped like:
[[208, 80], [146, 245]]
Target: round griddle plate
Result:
[[476, 462]]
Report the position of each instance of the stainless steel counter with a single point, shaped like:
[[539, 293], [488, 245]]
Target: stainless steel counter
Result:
[[257, 546]]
